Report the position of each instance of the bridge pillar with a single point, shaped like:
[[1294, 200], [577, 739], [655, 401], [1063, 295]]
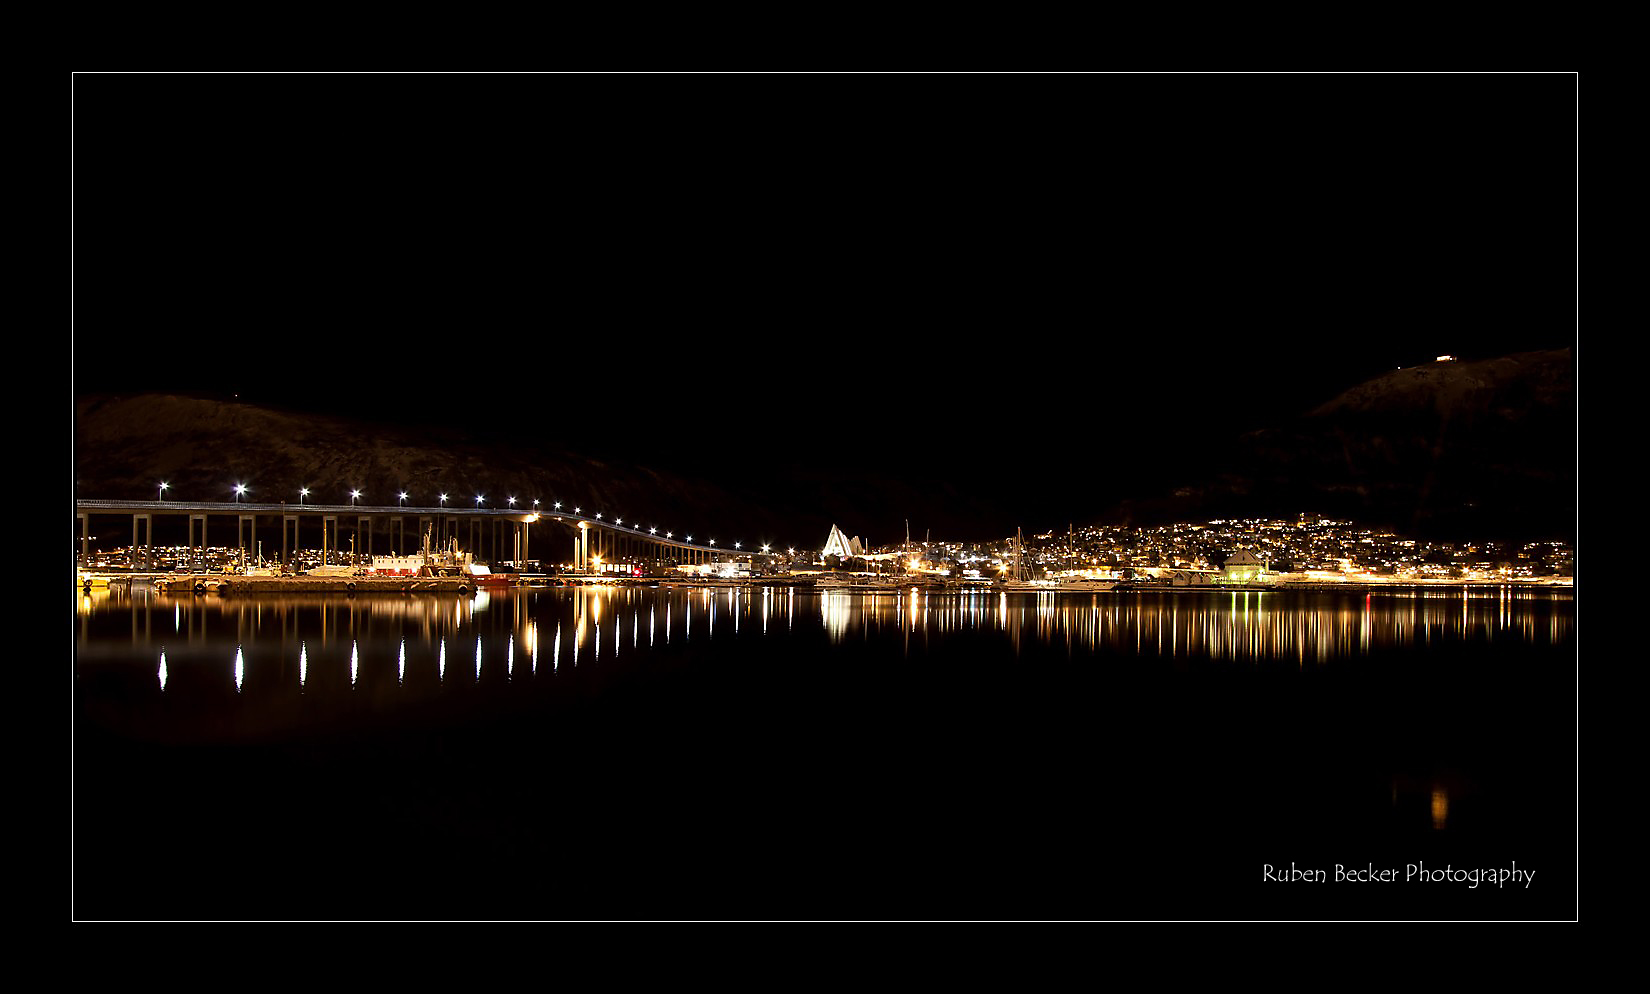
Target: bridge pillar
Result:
[[149, 529], [363, 525], [329, 539], [286, 521], [201, 562], [85, 537], [246, 525], [424, 524]]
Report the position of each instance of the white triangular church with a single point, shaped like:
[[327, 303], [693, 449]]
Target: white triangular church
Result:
[[842, 546]]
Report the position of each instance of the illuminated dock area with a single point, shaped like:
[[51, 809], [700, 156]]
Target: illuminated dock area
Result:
[[238, 586]]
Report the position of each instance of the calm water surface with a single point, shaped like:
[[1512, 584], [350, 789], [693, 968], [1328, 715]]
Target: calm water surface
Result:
[[762, 752]]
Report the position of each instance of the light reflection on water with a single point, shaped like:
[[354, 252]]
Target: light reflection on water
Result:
[[1306, 628], [740, 703]]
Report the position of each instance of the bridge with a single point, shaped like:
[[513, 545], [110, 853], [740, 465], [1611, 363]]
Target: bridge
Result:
[[495, 534]]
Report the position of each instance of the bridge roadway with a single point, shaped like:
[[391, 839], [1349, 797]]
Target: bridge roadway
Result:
[[595, 540]]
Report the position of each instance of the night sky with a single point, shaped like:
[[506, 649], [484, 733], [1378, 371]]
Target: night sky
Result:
[[924, 276]]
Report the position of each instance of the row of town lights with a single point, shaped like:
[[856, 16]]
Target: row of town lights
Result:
[[401, 500]]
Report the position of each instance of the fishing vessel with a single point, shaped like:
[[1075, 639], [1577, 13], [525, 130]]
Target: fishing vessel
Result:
[[451, 562], [428, 562]]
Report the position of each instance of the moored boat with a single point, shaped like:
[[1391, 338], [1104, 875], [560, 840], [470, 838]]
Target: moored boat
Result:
[[1084, 585], [484, 576]]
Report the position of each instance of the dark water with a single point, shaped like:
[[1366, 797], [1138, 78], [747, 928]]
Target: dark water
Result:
[[573, 753]]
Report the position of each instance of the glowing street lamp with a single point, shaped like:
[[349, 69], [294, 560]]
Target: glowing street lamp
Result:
[[240, 488], [735, 545], [302, 493], [558, 505], [654, 531], [513, 502], [163, 488], [618, 521], [598, 515], [401, 498], [443, 500], [353, 496], [479, 499]]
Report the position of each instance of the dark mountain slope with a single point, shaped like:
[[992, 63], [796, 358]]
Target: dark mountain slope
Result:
[[126, 445], [1468, 448]]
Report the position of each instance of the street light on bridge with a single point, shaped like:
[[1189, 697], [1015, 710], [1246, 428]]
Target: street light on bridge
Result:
[[443, 500], [353, 495], [240, 488], [302, 493], [513, 501], [479, 499], [163, 488], [401, 499]]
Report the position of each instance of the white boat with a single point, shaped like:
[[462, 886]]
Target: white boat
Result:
[[1019, 578], [332, 571], [1013, 586], [1084, 585], [859, 583]]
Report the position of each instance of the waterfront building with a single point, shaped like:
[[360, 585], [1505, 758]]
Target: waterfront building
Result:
[[1242, 566]]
